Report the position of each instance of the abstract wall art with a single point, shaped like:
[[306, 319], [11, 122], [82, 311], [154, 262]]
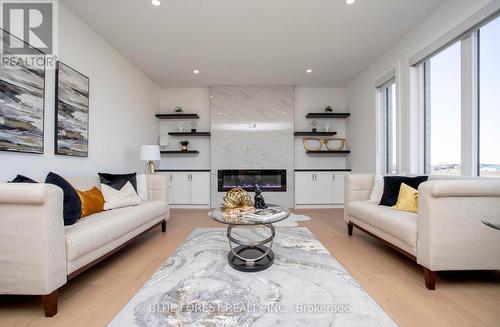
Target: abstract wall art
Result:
[[22, 95], [72, 112]]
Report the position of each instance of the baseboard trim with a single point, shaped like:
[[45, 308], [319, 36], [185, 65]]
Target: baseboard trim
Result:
[[319, 206], [189, 206]]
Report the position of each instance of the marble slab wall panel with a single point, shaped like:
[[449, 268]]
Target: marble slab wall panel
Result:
[[252, 128]]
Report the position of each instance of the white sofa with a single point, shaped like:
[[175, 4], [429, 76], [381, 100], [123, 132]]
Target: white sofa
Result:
[[446, 234], [39, 254]]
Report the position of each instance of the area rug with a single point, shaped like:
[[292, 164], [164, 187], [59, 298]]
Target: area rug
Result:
[[292, 221], [306, 286]]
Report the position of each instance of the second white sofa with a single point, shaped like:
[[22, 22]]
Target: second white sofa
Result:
[[446, 234]]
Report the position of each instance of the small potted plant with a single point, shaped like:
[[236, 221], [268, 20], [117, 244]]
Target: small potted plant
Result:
[[328, 109], [178, 110], [184, 145]]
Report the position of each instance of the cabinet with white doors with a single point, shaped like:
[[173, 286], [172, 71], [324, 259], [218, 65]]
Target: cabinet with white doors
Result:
[[322, 187], [189, 188]]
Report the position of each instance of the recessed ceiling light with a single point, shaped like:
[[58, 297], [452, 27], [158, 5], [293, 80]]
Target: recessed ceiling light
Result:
[[350, 2], [309, 71], [196, 71], [156, 3]]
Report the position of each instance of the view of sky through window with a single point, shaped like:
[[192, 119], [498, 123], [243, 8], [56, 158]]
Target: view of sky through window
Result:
[[489, 95]]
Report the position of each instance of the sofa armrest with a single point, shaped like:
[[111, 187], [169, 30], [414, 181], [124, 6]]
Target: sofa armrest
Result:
[[33, 255], [158, 186], [450, 234]]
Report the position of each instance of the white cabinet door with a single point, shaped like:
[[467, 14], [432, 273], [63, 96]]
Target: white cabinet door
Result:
[[338, 187], [304, 188], [323, 188], [180, 188], [200, 188]]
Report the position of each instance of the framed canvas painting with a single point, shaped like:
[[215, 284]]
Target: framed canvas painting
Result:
[[72, 112], [22, 95]]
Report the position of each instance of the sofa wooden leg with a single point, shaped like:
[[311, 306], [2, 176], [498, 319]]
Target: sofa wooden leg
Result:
[[430, 279], [349, 229], [49, 303], [164, 226]]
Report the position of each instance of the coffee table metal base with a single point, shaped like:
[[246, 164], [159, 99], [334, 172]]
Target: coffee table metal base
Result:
[[251, 252], [251, 256]]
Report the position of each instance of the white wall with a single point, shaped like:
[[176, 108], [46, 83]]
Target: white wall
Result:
[[361, 95], [197, 100], [122, 106]]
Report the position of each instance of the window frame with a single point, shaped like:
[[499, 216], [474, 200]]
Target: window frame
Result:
[[427, 110], [477, 92], [384, 104], [470, 103]]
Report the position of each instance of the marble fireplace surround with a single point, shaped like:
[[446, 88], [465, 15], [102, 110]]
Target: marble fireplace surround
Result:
[[252, 128]]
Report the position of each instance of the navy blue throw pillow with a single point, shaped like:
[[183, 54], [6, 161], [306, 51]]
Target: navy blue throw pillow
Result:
[[117, 181], [72, 205], [392, 184], [22, 179]]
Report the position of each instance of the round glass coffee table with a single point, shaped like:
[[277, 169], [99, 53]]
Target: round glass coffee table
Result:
[[250, 256]]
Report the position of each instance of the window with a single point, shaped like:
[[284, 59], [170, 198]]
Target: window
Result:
[[442, 85], [489, 99], [388, 114]]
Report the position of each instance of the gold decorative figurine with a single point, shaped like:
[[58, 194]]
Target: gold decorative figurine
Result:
[[237, 198]]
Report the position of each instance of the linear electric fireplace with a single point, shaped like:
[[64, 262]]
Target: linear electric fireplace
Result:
[[271, 180]]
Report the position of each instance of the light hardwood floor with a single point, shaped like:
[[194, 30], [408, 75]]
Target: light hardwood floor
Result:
[[395, 282]]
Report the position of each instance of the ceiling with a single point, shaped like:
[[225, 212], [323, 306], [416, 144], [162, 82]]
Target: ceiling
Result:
[[251, 42]]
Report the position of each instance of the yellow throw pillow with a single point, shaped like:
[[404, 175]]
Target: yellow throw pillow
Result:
[[92, 201], [407, 199]]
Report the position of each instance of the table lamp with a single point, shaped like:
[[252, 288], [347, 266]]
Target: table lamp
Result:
[[150, 153]]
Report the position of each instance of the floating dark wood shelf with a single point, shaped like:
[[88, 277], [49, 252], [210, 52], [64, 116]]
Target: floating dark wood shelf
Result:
[[315, 133], [189, 133], [329, 152], [179, 152], [177, 116], [328, 115]]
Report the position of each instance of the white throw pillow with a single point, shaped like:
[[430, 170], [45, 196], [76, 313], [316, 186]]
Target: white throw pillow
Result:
[[142, 187], [114, 199], [378, 189]]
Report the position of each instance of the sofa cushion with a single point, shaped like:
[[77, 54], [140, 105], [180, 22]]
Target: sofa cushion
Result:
[[102, 228], [402, 225]]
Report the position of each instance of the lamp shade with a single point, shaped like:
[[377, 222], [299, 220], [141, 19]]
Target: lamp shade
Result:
[[150, 152]]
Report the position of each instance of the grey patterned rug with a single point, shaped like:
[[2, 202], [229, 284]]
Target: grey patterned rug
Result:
[[306, 286], [292, 221]]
